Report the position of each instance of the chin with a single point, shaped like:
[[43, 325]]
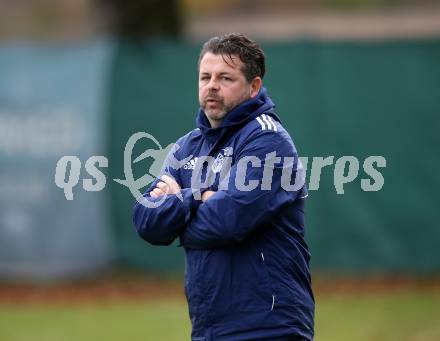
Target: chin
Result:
[[215, 114]]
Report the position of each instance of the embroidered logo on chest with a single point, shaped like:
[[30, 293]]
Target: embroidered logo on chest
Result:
[[220, 159]]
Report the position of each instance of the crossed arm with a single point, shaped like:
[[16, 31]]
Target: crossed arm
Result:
[[165, 211], [222, 217]]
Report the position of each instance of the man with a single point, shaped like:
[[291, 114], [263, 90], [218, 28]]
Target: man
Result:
[[226, 192]]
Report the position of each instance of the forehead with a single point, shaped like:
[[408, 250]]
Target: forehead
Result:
[[220, 63]]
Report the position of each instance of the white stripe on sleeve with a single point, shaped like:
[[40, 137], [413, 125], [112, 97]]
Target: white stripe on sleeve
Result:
[[273, 123], [263, 127], [265, 119]]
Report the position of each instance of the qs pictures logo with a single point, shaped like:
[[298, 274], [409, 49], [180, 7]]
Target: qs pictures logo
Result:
[[345, 169], [68, 168]]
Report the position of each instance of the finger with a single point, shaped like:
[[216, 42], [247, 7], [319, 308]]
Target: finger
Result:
[[173, 185], [168, 180], [158, 191], [163, 186], [206, 195]]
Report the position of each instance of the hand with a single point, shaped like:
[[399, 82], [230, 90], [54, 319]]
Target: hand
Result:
[[206, 195], [167, 185]]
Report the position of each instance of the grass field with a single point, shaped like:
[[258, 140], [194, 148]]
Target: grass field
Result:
[[409, 315]]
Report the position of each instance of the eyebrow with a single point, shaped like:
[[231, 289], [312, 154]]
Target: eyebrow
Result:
[[221, 73]]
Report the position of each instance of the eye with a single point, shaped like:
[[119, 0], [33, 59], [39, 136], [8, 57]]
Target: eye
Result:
[[226, 78], [204, 78]]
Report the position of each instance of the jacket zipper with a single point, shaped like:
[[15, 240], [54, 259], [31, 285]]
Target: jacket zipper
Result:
[[273, 295]]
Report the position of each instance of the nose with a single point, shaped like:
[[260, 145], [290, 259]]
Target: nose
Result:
[[213, 84]]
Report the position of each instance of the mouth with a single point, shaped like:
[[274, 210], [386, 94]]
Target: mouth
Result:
[[212, 101]]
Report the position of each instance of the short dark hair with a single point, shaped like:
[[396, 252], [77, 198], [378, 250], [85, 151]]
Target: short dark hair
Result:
[[237, 44]]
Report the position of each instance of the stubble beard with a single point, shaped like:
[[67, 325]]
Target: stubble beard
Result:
[[218, 114]]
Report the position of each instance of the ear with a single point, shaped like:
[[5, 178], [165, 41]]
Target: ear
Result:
[[256, 84]]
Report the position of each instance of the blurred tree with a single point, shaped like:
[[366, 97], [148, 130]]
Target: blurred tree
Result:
[[144, 18]]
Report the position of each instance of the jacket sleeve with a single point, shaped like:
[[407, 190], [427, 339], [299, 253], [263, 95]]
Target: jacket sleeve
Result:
[[230, 215], [161, 220]]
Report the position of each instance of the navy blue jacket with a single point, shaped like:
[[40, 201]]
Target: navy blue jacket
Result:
[[247, 271]]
